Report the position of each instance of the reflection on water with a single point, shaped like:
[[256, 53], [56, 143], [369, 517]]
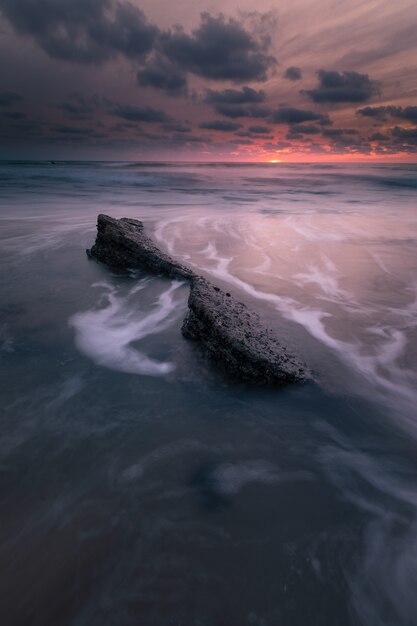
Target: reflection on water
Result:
[[137, 486]]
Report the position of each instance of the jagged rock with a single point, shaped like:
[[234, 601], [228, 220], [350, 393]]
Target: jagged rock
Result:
[[228, 332], [123, 243]]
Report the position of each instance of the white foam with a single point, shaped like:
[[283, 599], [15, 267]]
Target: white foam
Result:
[[105, 334], [175, 233], [230, 478], [312, 232], [376, 361], [327, 283], [387, 574], [161, 456]]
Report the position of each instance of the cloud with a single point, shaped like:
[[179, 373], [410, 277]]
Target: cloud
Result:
[[373, 111], [338, 132], [408, 113], [219, 49], [21, 129], [78, 106], [95, 31], [307, 129], [343, 87], [160, 73], [13, 115], [289, 115], [185, 139], [292, 134], [220, 125], [244, 141], [139, 114], [235, 96], [7, 98], [236, 110], [256, 134], [407, 135], [176, 127], [236, 103], [260, 129], [83, 31], [293, 73], [71, 130], [378, 137]]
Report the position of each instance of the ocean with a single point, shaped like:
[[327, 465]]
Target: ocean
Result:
[[139, 486]]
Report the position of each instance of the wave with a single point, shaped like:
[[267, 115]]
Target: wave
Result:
[[106, 333], [230, 478], [381, 333], [382, 587]]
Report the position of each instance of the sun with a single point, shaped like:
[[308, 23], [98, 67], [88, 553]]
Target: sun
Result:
[[275, 161]]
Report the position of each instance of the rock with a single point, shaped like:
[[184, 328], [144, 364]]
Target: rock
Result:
[[229, 333], [234, 337], [123, 243]]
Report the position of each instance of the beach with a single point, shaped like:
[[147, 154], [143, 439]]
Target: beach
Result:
[[139, 484]]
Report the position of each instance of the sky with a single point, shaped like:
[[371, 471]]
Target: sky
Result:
[[194, 80]]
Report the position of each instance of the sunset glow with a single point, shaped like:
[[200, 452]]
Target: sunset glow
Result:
[[147, 81]]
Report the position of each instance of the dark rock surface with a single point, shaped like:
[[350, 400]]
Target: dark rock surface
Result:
[[229, 333], [123, 243]]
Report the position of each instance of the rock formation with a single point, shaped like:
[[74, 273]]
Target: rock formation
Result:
[[228, 332]]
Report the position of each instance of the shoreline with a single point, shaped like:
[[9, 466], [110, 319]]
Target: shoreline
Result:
[[229, 333]]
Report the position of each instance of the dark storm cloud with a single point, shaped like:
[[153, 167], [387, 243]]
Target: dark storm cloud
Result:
[[219, 49], [7, 98], [139, 114], [235, 110], [405, 113], [231, 110], [246, 95], [13, 115], [292, 134], [407, 135], [220, 125], [94, 31], [289, 115], [293, 73], [260, 129], [337, 132], [122, 127], [256, 134], [176, 128], [18, 130], [257, 111], [235, 103], [84, 31], [307, 129], [71, 130], [160, 73], [79, 107], [343, 87], [373, 111], [378, 137]]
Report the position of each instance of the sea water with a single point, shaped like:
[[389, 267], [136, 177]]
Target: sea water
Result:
[[138, 486]]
